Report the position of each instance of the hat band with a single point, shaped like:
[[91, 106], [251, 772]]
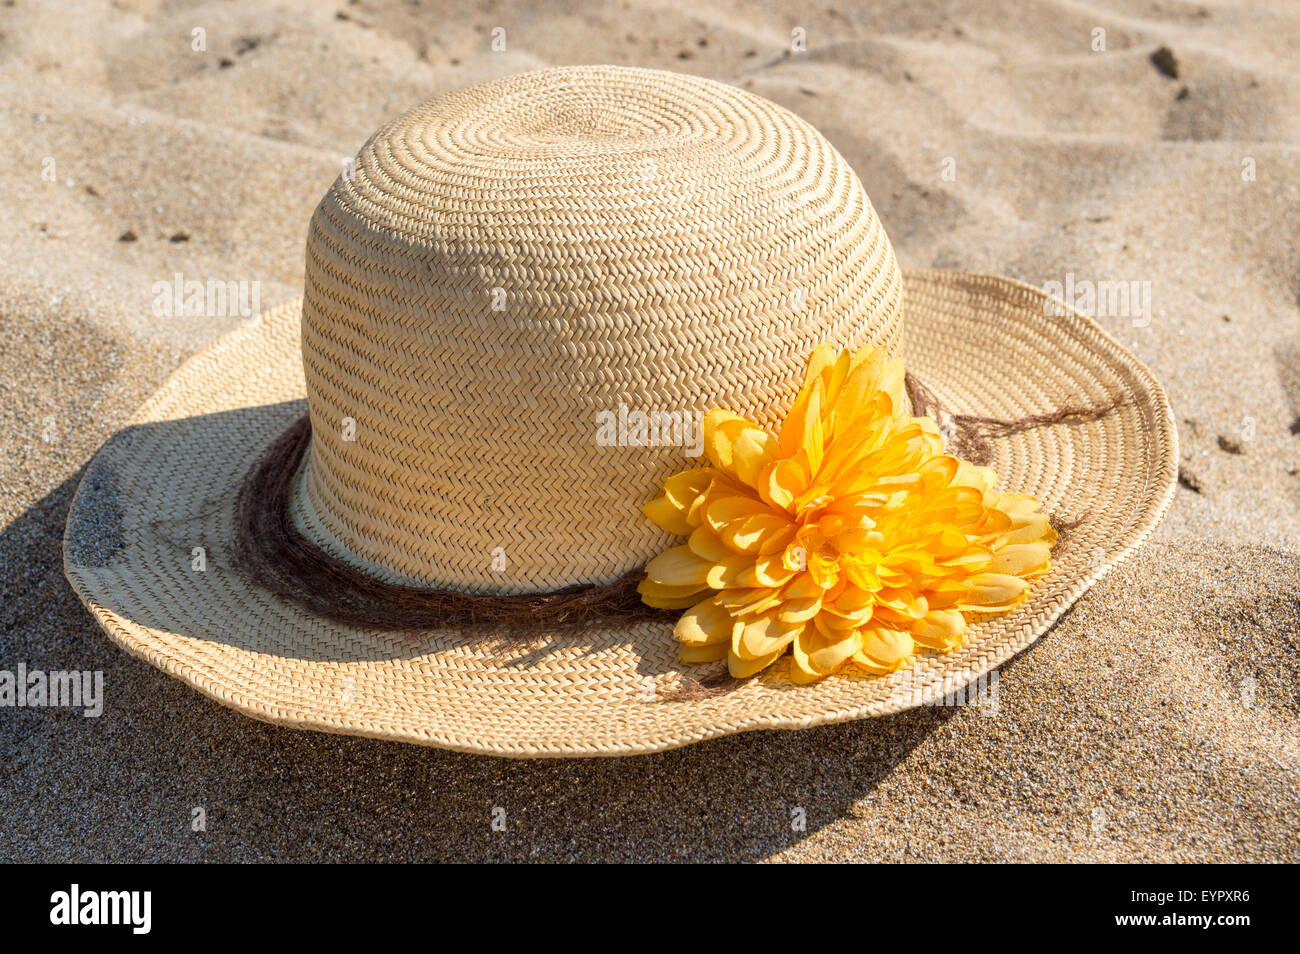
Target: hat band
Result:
[[278, 557]]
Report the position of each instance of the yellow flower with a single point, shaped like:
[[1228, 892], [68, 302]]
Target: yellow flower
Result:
[[852, 539]]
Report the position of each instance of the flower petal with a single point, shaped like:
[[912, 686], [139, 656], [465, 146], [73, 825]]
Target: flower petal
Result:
[[803, 586], [683, 488], [752, 450], [717, 442], [819, 360], [738, 447], [763, 636], [670, 597], [702, 654], [940, 629], [678, 567], [800, 611], [744, 668], [782, 482], [1021, 559], [760, 532], [734, 571], [816, 656], [887, 647], [1026, 528], [704, 624], [766, 571], [664, 513], [802, 430], [993, 592], [722, 511], [708, 545]]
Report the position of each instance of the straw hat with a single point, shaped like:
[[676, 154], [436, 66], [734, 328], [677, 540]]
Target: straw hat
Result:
[[502, 266]]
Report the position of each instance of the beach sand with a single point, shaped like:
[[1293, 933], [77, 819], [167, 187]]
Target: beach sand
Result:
[[1159, 720]]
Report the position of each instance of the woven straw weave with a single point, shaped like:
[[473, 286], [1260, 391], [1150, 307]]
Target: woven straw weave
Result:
[[577, 324], [507, 262]]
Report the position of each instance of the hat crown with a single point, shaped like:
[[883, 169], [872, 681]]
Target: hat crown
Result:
[[523, 297]]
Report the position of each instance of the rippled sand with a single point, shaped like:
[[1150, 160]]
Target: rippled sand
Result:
[[1157, 721]]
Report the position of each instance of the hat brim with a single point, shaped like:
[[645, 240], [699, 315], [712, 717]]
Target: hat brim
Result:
[[166, 485]]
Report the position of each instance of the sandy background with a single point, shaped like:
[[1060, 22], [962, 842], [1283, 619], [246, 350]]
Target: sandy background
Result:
[[1158, 721]]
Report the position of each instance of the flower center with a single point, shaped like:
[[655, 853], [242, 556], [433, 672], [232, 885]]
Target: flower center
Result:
[[830, 553]]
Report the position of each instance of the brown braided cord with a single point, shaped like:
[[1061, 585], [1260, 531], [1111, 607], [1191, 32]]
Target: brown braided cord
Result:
[[279, 558], [967, 435]]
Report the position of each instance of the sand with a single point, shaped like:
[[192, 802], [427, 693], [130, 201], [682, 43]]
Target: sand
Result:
[[1158, 721]]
